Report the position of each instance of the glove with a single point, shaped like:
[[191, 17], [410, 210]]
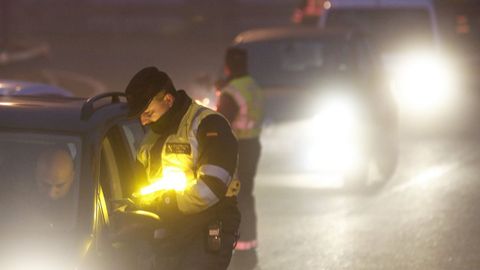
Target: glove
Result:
[[163, 203], [166, 205]]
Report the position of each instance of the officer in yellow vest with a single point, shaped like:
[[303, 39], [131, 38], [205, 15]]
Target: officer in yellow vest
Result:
[[241, 102], [193, 150]]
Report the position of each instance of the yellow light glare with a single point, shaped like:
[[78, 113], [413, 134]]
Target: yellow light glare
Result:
[[6, 104], [172, 179]]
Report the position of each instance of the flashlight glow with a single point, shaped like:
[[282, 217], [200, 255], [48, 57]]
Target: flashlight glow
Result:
[[172, 179]]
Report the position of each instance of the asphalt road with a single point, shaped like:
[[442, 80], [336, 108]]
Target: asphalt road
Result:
[[426, 217]]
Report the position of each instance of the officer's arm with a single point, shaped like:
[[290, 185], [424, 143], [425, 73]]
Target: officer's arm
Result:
[[228, 106], [217, 160]]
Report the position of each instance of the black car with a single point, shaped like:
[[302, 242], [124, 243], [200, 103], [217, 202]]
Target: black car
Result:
[[333, 82], [102, 143]]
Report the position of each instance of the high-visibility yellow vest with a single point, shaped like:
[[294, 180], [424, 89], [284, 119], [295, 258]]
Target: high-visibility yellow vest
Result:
[[180, 151], [249, 97]]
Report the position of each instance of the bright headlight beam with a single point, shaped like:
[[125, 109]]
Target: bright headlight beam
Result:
[[337, 113], [336, 144], [40, 258], [423, 82]]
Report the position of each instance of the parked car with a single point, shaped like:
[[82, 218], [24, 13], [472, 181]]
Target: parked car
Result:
[[334, 80], [15, 88], [102, 142]]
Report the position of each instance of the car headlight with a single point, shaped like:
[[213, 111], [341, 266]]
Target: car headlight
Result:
[[336, 135], [337, 116], [423, 83]]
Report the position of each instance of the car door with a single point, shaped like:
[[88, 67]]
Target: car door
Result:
[[115, 183]]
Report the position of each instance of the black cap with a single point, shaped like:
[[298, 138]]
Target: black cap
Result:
[[144, 86], [236, 59]]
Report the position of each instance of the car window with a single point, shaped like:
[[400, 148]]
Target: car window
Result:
[[110, 171], [40, 180], [117, 162], [298, 55], [391, 28], [368, 61], [134, 133], [294, 62]]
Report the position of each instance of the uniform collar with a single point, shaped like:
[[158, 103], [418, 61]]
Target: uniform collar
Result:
[[169, 122]]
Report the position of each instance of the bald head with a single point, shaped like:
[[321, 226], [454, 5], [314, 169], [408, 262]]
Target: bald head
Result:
[[54, 173]]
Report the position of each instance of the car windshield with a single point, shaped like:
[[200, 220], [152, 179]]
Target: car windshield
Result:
[[297, 62], [39, 181], [392, 29]]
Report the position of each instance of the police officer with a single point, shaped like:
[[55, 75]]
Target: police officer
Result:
[[241, 102], [200, 222], [309, 11]]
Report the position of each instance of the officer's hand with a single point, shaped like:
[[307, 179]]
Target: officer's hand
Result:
[[146, 202]]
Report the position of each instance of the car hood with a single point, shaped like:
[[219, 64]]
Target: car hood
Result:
[[34, 250], [283, 104], [292, 103]]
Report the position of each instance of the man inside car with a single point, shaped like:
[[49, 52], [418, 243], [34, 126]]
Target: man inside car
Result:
[[54, 175]]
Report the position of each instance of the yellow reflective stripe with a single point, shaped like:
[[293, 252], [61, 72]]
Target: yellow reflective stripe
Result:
[[249, 98], [215, 171], [209, 198], [196, 119], [196, 199]]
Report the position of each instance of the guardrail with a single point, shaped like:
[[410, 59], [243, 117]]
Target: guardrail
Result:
[[22, 52]]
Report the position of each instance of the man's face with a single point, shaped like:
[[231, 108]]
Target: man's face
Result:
[[56, 187], [55, 175], [156, 109]]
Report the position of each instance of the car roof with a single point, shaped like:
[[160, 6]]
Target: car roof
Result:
[[380, 4], [278, 33], [12, 87], [57, 114]]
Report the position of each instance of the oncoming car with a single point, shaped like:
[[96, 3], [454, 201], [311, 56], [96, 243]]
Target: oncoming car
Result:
[[424, 78], [328, 86], [63, 218]]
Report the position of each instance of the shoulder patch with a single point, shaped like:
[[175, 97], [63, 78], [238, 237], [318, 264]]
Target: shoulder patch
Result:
[[212, 134]]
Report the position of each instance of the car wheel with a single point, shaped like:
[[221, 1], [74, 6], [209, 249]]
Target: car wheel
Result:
[[376, 171]]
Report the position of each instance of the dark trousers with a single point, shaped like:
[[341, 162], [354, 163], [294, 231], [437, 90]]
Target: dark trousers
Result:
[[186, 247], [194, 255], [249, 155]]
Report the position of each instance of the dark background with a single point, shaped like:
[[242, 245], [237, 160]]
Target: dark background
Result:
[[109, 41], [99, 44]]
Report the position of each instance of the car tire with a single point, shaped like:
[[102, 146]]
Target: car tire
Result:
[[376, 171]]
